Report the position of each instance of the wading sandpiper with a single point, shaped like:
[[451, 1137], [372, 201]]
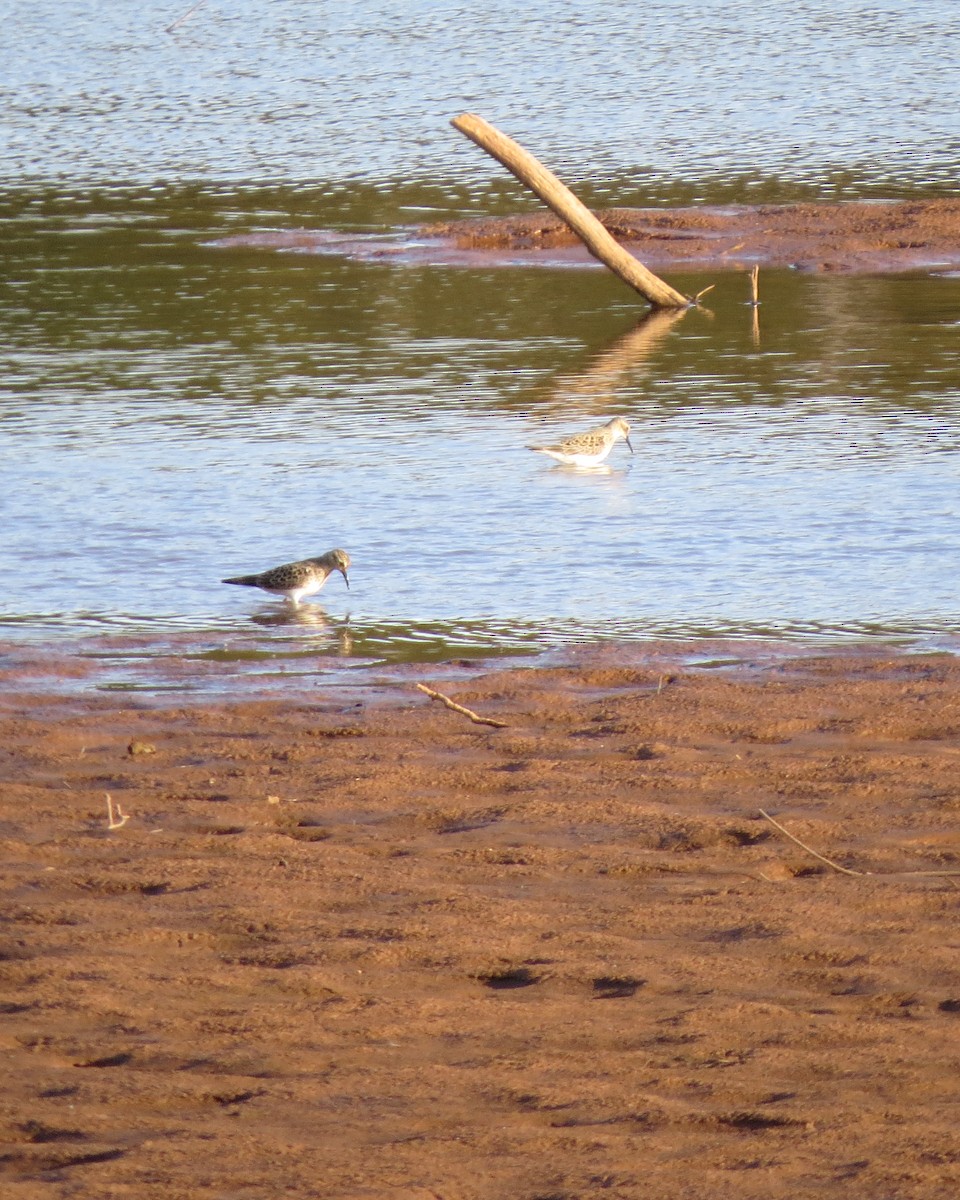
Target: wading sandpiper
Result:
[[589, 449], [298, 579]]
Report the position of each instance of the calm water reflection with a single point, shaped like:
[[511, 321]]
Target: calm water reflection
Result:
[[172, 412]]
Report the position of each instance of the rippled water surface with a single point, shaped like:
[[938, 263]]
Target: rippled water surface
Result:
[[172, 411], [673, 90]]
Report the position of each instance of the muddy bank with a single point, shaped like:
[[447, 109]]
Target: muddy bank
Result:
[[846, 238], [351, 949], [855, 237]]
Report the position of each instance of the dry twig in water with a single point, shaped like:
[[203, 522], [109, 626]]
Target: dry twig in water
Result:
[[755, 286], [574, 213], [118, 820], [755, 305], [452, 704]]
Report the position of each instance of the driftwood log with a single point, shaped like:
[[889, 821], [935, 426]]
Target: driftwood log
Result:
[[544, 184]]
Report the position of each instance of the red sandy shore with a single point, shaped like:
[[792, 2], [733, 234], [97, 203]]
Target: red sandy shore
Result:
[[351, 949], [856, 237]]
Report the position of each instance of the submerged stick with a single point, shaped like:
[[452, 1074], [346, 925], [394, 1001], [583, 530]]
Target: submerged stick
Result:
[[189, 13], [543, 183], [467, 712]]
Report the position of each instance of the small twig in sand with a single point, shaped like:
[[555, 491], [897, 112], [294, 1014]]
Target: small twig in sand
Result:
[[189, 13], [847, 871], [118, 820], [452, 704], [809, 849]]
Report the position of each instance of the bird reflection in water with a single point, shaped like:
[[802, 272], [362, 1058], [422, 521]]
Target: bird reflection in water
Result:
[[313, 619]]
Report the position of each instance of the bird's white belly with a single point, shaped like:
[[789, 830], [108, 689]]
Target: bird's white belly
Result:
[[310, 588], [580, 458]]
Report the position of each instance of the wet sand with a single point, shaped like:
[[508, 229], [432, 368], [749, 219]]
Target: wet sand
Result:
[[359, 946], [849, 238], [846, 238]]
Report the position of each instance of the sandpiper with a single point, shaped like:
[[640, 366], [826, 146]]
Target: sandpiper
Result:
[[298, 579], [589, 449]]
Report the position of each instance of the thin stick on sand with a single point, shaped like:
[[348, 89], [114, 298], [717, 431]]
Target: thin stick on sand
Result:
[[847, 871], [810, 849], [467, 712], [118, 820]]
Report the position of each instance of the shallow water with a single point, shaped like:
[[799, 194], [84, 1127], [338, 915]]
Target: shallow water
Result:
[[172, 412], [829, 93]]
